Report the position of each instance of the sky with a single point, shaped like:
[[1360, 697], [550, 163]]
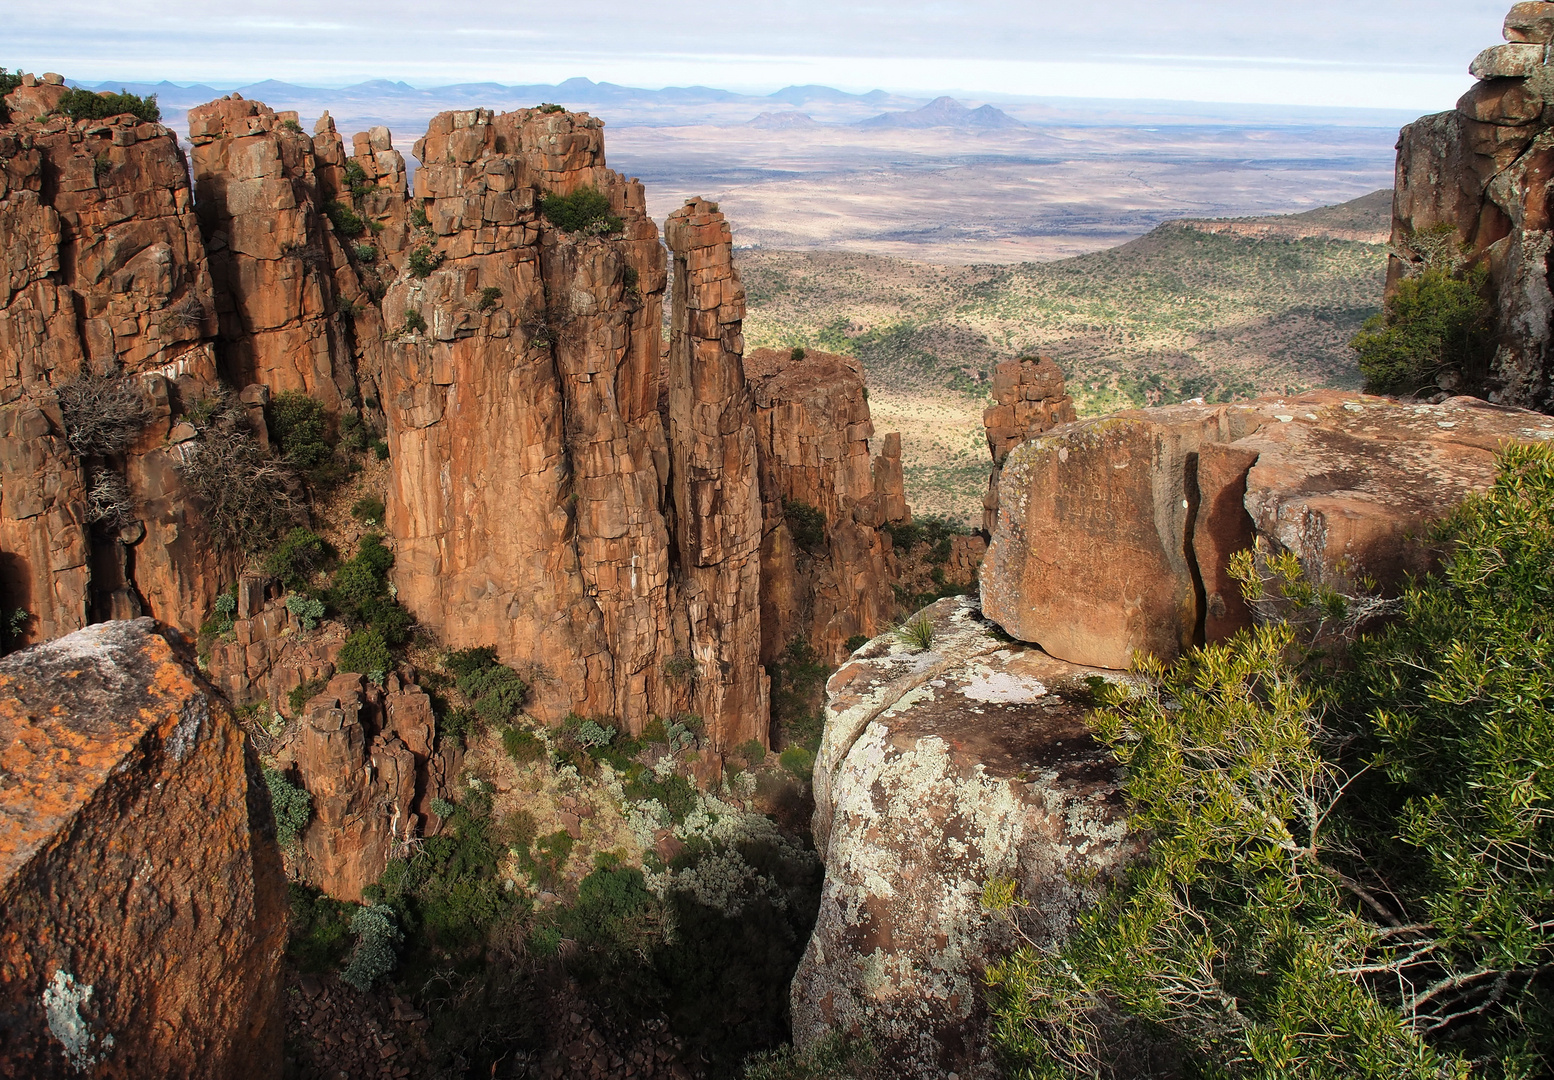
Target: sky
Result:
[[1393, 54]]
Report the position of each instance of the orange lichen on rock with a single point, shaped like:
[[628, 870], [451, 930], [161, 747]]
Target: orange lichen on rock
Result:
[[125, 950]]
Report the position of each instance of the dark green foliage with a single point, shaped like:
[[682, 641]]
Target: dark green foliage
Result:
[[798, 681], [298, 696], [13, 627], [800, 761], [418, 217], [346, 220], [299, 428], [380, 449], [8, 81], [586, 210], [1350, 873], [356, 179], [377, 936], [543, 858], [806, 523], [522, 745], [449, 892], [81, 104], [423, 260], [494, 691], [300, 554], [547, 107], [752, 752], [360, 593], [292, 126], [681, 667], [365, 253], [928, 529], [366, 652], [797, 353], [369, 509], [674, 792], [489, 296], [1438, 322], [856, 642], [291, 805], [319, 934], [355, 435], [415, 323]]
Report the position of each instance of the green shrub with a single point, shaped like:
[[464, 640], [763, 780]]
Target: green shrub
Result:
[[797, 353], [365, 652], [8, 81], [797, 692], [547, 107], [752, 752], [489, 297], [1350, 869], [917, 633], [307, 610], [299, 428], [369, 509], [380, 449], [522, 745], [247, 496], [346, 220], [414, 322], [365, 253], [355, 435], [681, 667], [799, 761], [319, 934], [592, 734], [13, 623], [674, 793], [586, 210], [418, 217], [1440, 321], [356, 179], [856, 642], [299, 696], [291, 805], [292, 126], [495, 691], [300, 554], [806, 523], [545, 860], [832, 1057], [377, 934], [81, 104], [423, 260]]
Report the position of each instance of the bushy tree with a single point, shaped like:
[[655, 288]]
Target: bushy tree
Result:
[[586, 210], [1349, 872], [87, 105]]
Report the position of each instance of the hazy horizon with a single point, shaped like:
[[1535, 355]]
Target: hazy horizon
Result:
[[1323, 53]]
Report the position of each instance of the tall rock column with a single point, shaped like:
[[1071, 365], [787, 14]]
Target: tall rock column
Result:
[[278, 264], [1028, 399], [712, 445]]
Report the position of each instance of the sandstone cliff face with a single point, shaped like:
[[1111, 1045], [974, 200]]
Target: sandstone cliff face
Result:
[[1482, 172], [1113, 535], [941, 770], [813, 430], [125, 949], [105, 275], [1028, 398]]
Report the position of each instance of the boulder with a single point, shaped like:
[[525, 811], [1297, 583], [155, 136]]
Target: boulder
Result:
[[1516, 61], [942, 770], [1114, 535], [125, 949], [1531, 22]]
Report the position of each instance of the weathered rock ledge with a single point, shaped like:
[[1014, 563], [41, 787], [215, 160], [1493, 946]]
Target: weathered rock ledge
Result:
[[942, 769], [125, 949]]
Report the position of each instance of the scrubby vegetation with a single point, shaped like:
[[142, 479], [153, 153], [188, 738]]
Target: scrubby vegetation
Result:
[[9, 80], [1350, 872], [81, 104], [586, 210], [1439, 322], [103, 413], [249, 498]]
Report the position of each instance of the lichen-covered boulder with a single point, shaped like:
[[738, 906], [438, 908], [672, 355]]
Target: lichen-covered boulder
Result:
[[142, 900], [942, 769]]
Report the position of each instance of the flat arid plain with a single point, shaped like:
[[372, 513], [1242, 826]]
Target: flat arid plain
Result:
[[934, 239]]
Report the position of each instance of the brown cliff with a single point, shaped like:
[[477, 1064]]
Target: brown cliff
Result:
[[827, 578], [126, 950], [1114, 534], [106, 278], [1481, 173], [1028, 398]]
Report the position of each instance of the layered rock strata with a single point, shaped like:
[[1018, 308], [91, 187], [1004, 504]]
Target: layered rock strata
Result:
[[1114, 535], [833, 581], [1481, 174], [105, 277], [942, 770], [125, 949], [1028, 398]]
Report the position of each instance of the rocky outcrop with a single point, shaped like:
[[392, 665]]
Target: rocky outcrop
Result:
[[1028, 398], [1113, 535], [125, 949], [367, 757], [105, 275], [942, 770], [270, 652], [1481, 173], [280, 269], [826, 570]]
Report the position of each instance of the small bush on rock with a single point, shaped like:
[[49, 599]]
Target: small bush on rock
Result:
[[346, 220], [377, 934], [291, 805], [586, 210], [806, 523], [103, 414], [300, 555], [366, 653], [81, 104], [423, 260]]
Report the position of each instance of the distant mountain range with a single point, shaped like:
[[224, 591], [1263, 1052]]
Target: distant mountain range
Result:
[[945, 112]]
